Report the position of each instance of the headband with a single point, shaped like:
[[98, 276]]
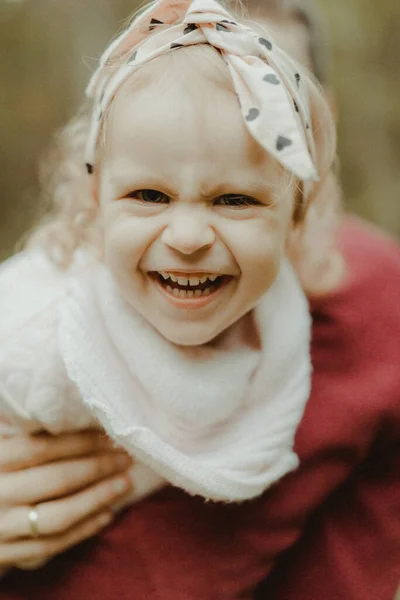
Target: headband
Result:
[[271, 94]]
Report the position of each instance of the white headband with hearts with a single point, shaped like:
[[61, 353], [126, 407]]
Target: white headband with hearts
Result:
[[271, 94]]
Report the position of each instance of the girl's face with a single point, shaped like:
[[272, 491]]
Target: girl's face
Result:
[[195, 214]]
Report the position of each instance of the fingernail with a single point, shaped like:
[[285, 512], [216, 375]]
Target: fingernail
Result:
[[120, 485]]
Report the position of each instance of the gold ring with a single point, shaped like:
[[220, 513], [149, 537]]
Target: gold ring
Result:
[[33, 522]]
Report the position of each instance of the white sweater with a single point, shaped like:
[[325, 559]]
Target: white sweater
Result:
[[36, 393], [219, 422]]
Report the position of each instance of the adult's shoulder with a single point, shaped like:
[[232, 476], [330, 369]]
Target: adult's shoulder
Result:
[[356, 337]]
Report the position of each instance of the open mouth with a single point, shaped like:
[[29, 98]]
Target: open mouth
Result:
[[193, 286]]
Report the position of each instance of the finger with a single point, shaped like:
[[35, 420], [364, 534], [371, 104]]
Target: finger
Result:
[[58, 516], [30, 565], [58, 479], [42, 549], [24, 451]]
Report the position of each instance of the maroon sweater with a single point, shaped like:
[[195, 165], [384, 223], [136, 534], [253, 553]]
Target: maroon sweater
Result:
[[328, 531]]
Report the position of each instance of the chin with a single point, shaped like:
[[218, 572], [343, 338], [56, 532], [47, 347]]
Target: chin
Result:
[[189, 336]]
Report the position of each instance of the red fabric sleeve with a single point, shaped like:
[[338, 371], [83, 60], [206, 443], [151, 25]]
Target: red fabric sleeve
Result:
[[351, 548], [173, 547]]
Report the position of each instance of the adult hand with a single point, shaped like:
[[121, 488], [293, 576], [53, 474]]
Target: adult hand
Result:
[[72, 480]]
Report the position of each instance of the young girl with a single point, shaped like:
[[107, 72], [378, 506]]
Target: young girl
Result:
[[159, 302], [337, 513]]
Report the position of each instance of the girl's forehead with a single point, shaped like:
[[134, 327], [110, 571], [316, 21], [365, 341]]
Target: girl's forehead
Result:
[[186, 121]]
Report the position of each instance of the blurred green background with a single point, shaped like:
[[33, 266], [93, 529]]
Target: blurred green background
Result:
[[48, 48]]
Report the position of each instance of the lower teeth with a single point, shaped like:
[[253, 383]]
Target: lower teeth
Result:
[[188, 293]]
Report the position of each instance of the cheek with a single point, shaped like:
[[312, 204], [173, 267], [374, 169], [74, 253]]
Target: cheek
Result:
[[125, 241], [258, 245], [262, 265]]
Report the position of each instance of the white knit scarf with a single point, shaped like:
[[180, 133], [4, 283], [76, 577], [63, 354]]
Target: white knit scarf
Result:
[[216, 420]]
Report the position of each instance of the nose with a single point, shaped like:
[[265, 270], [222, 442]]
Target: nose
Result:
[[188, 231]]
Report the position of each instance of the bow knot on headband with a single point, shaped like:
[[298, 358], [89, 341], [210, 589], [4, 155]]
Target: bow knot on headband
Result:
[[271, 95]]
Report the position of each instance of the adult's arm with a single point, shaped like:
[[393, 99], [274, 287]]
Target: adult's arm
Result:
[[175, 547]]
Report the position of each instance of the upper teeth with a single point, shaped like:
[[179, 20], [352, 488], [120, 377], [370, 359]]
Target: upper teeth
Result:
[[187, 280]]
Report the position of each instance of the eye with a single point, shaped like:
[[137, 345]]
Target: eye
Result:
[[150, 196], [237, 201]]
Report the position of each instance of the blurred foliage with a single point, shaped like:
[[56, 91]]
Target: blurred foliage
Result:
[[366, 47], [48, 47]]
